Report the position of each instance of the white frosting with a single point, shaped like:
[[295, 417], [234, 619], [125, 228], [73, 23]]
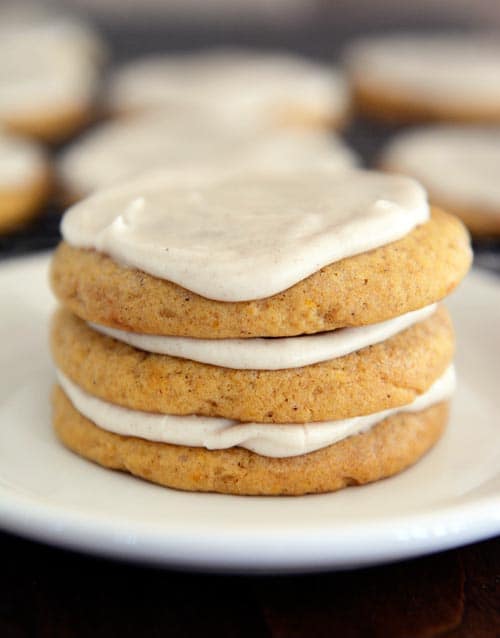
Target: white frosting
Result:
[[274, 353], [236, 82], [266, 439], [21, 161], [456, 164], [46, 64], [245, 237], [187, 140], [438, 68]]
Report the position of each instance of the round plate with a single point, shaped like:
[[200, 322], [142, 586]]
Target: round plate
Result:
[[46, 492]]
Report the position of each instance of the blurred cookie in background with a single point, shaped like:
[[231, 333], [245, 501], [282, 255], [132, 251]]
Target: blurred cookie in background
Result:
[[49, 72], [459, 166], [191, 140], [277, 88], [25, 180], [424, 77]]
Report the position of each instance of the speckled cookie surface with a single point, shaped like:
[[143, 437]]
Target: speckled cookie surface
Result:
[[386, 375], [382, 451], [18, 205], [413, 272]]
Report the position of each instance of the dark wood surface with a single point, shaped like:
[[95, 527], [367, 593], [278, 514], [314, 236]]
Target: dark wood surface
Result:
[[50, 593]]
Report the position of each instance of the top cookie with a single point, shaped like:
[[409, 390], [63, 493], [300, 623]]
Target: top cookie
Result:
[[413, 77], [278, 88], [256, 255]]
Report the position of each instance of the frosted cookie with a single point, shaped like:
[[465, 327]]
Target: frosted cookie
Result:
[[362, 289], [276, 88], [25, 181], [384, 450], [186, 141], [416, 77], [459, 166], [384, 375], [49, 70], [295, 415]]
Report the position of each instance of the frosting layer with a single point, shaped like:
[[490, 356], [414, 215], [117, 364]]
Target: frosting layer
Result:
[[245, 237], [187, 140], [457, 164], [271, 354], [282, 440]]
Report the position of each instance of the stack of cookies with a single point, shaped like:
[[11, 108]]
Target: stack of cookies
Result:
[[255, 334]]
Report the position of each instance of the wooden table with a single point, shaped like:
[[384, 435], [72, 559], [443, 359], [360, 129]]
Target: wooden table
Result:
[[50, 593]]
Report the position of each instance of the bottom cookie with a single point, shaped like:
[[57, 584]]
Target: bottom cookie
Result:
[[384, 450]]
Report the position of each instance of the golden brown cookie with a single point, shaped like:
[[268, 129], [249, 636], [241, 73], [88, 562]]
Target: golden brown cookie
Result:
[[392, 107], [457, 165], [481, 223], [20, 204], [386, 375], [51, 126], [419, 269], [384, 450]]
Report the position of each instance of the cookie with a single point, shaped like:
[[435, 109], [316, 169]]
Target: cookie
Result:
[[25, 180], [185, 141], [459, 166], [49, 73], [425, 77], [419, 269], [279, 89], [382, 376], [384, 450]]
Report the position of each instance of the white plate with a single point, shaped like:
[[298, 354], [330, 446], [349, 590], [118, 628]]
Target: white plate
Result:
[[451, 497]]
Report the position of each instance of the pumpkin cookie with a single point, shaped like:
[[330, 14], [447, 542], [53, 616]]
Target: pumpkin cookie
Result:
[[49, 72], [25, 181], [422, 77], [459, 166], [187, 140], [382, 376], [270, 88], [419, 269], [384, 450]]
